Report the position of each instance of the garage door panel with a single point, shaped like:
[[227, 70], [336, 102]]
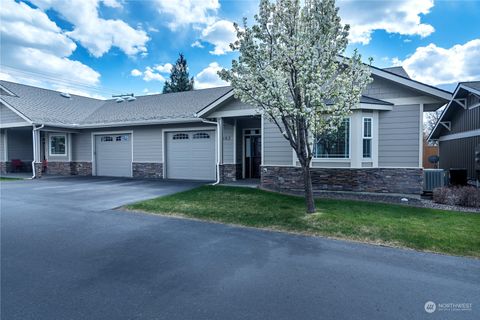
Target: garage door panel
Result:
[[189, 158], [113, 155]]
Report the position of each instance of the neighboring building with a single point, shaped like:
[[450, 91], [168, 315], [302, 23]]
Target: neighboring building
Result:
[[458, 129], [208, 135]]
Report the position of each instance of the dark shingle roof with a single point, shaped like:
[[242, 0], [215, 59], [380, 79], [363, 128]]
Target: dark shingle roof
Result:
[[48, 106], [471, 84], [180, 105]]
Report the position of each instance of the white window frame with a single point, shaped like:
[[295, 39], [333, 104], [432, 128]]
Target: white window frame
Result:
[[345, 159], [367, 138], [50, 136]]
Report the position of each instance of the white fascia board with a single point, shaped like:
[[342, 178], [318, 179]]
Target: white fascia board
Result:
[[372, 106], [460, 135], [235, 113], [14, 125], [214, 104], [18, 113]]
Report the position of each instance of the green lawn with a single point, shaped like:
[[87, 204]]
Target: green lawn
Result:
[[9, 179], [422, 229]]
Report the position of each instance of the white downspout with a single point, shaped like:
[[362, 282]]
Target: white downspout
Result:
[[35, 148], [219, 154]]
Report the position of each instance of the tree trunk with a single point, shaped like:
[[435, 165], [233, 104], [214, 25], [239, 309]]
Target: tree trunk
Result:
[[307, 180]]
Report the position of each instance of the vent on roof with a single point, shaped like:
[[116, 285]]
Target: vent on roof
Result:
[[65, 94], [131, 99]]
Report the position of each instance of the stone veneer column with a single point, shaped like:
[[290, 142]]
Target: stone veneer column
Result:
[[230, 172], [147, 170]]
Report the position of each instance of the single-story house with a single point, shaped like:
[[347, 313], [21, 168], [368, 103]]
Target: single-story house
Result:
[[458, 130], [210, 135]]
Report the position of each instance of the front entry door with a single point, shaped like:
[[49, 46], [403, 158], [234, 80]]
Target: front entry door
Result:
[[253, 156]]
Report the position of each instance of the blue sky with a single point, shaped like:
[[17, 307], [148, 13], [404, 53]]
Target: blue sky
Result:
[[105, 47]]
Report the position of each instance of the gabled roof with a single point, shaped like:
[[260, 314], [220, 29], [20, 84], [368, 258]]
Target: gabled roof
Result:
[[462, 91], [398, 71], [43, 106]]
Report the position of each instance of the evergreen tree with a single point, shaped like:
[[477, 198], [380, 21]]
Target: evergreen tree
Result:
[[179, 78]]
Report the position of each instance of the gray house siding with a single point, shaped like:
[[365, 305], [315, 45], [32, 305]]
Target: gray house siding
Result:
[[277, 150], [8, 116], [385, 89], [228, 141], [464, 120], [459, 154], [399, 137], [231, 105]]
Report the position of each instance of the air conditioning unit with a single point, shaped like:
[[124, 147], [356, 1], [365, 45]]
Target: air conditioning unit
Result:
[[433, 178]]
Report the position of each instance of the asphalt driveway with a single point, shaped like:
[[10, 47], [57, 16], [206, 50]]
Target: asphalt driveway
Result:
[[66, 255]]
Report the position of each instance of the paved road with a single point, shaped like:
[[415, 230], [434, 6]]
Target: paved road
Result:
[[66, 255]]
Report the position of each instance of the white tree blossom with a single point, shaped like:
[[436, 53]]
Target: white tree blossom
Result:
[[292, 67]]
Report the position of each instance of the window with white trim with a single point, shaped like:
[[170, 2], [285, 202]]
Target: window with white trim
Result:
[[58, 145], [333, 145], [367, 137]]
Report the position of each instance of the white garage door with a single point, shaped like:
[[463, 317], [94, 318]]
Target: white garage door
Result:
[[191, 155], [113, 155]]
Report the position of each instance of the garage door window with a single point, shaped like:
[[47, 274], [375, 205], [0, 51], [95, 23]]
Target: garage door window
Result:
[[58, 145], [180, 136], [201, 135], [106, 139]]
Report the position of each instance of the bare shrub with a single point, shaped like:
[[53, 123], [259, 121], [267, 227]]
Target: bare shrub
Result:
[[458, 196]]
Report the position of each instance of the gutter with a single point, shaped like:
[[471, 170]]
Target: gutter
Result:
[[35, 147], [219, 154]]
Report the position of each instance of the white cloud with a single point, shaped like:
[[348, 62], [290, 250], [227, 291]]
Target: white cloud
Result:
[[34, 49], [166, 68], [94, 33], [402, 17], [153, 73], [435, 65], [136, 73], [112, 3], [396, 62], [150, 75], [197, 44], [208, 77], [184, 12], [220, 34]]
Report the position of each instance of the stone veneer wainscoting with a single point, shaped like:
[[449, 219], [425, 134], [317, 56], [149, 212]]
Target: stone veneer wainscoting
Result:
[[377, 180], [66, 168], [147, 170]]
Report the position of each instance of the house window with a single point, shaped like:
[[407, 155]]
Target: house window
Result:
[[180, 136], [201, 135], [334, 144], [367, 137], [58, 144]]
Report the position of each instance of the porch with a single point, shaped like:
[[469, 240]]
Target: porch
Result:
[[241, 149]]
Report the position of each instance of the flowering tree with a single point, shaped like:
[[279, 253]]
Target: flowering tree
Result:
[[291, 68]]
